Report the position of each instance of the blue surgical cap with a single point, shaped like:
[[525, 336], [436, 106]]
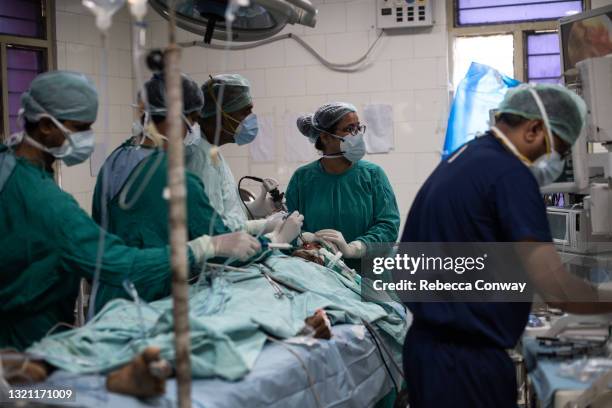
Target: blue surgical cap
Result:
[[156, 95], [323, 119], [65, 95]]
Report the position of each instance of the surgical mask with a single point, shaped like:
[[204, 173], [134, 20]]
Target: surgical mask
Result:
[[247, 130], [193, 135], [77, 146], [137, 128], [351, 147], [548, 168]]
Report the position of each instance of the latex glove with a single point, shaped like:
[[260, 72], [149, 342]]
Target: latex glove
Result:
[[307, 237], [202, 248], [255, 227], [355, 249], [288, 230], [239, 245], [274, 221]]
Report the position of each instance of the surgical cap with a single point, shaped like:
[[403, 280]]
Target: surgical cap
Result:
[[156, 94], [65, 95], [236, 94], [565, 109], [323, 119]]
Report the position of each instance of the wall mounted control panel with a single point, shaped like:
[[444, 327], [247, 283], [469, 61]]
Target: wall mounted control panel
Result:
[[404, 13]]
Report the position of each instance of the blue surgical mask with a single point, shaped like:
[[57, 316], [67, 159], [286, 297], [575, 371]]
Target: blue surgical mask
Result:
[[548, 168], [77, 146], [351, 147], [247, 130]]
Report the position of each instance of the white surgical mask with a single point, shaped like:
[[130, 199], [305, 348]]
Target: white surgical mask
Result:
[[137, 128], [193, 135]]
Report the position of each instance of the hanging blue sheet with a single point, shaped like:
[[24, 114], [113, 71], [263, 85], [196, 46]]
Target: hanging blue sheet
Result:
[[482, 89]]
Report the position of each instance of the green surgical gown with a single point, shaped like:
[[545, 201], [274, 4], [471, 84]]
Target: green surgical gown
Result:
[[145, 223], [359, 203], [47, 244]]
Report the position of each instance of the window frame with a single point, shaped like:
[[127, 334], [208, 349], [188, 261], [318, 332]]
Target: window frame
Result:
[[47, 45], [517, 30]]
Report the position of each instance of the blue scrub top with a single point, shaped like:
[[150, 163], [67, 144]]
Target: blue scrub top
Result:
[[482, 193]]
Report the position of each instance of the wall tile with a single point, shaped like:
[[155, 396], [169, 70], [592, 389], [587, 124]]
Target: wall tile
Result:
[[346, 47], [296, 54], [320, 80], [376, 77], [331, 19], [266, 56], [285, 81]]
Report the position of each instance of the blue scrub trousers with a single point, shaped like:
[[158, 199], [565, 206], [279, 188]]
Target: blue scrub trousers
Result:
[[443, 371]]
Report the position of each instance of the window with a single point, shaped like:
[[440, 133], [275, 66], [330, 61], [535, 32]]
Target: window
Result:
[[496, 51], [23, 18], [26, 49], [470, 12], [543, 59], [532, 24]]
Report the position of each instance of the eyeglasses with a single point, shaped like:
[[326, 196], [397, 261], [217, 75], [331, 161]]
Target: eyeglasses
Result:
[[354, 129]]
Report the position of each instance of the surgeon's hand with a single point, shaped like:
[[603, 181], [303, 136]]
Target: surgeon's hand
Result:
[[274, 221], [288, 229], [355, 249], [238, 245], [309, 237]]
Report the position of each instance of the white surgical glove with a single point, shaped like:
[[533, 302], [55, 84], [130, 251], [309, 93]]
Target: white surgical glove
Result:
[[287, 230], [255, 227], [274, 221], [355, 249], [239, 245], [263, 226], [308, 237]]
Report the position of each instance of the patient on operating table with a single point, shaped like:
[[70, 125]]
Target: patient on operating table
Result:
[[145, 376]]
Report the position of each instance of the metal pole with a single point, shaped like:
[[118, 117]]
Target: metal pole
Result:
[[177, 215]]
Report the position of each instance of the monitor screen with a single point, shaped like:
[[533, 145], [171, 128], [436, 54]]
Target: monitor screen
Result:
[[558, 225], [583, 38]]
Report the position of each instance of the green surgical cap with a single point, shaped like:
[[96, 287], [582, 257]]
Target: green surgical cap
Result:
[[565, 109], [236, 94], [156, 94], [65, 95]]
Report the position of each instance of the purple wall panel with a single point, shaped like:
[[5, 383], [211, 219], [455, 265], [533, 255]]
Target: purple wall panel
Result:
[[508, 13]]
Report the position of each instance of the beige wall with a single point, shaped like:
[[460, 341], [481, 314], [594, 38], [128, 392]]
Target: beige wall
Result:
[[79, 48], [409, 71]]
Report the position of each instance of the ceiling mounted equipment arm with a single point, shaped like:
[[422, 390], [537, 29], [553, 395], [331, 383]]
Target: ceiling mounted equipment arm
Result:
[[261, 19]]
